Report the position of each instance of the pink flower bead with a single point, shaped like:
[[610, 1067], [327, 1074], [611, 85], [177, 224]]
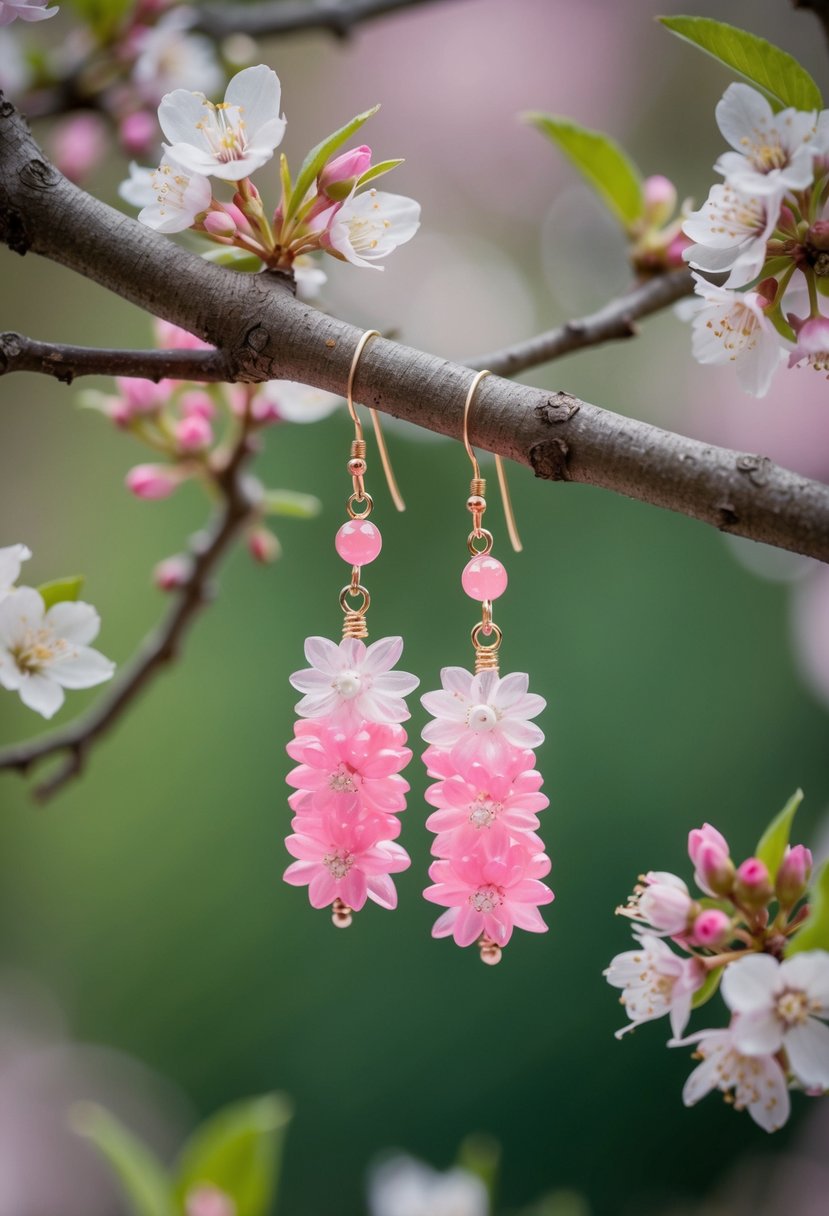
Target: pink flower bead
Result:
[[484, 578], [358, 542]]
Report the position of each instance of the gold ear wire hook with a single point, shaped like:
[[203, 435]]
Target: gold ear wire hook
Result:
[[391, 481], [509, 514]]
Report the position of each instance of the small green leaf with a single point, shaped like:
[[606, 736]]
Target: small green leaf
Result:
[[291, 504], [775, 72], [140, 1173], [709, 987], [382, 166], [238, 1150], [814, 934], [481, 1155], [60, 589], [234, 259], [284, 178], [317, 157], [771, 846], [601, 161]]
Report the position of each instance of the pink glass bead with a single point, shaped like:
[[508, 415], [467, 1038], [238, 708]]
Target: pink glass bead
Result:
[[484, 578], [358, 542]]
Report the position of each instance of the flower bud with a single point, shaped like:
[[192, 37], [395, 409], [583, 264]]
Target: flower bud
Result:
[[197, 401], [711, 928], [344, 170], [665, 903], [79, 142], [207, 1200], [263, 546], [172, 572], [660, 200], [768, 288], [219, 223], [752, 885], [193, 433], [713, 868], [138, 133], [818, 236], [793, 875], [152, 481], [675, 251]]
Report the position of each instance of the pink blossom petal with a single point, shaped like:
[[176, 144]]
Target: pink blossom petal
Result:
[[323, 654], [381, 656]]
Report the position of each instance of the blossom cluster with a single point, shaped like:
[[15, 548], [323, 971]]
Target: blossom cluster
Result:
[[766, 227], [45, 649], [348, 791], [487, 794], [326, 209], [738, 935], [192, 425]]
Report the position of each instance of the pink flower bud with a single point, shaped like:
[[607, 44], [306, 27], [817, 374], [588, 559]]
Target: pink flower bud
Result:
[[675, 250], [208, 1200], [152, 481], [714, 869], [712, 928], [79, 143], [193, 433], [197, 402], [219, 223], [138, 133], [238, 217], [752, 885], [660, 200], [819, 235], [793, 875], [665, 903], [345, 168], [263, 545], [140, 396], [767, 288], [172, 572]]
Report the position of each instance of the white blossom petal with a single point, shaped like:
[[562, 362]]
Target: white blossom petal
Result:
[[42, 694]]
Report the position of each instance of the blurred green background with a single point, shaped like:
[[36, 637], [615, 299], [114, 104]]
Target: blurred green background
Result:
[[147, 897]]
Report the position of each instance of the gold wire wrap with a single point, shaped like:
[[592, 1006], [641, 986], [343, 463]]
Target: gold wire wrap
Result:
[[478, 486], [486, 656]]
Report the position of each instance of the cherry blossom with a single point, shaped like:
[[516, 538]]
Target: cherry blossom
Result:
[[479, 717], [42, 652], [781, 1005], [295, 402], [656, 982], [489, 892], [812, 345], [343, 860], [405, 1187], [26, 10], [138, 189], [774, 152], [370, 225], [758, 1081], [661, 902], [731, 327], [350, 681], [170, 56], [231, 139], [731, 230], [177, 196], [11, 559]]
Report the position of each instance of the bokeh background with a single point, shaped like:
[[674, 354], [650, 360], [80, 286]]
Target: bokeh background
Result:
[[686, 677]]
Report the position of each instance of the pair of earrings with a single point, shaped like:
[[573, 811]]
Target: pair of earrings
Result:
[[350, 747]]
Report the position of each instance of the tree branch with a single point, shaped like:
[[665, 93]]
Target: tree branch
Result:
[[65, 363], [157, 650], [613, 321], [821, 10], [339, 17]]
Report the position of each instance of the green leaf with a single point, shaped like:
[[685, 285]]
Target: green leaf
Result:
[[317, 157], [815, 932], [709, 987], [140, 1173], [238, 1150], [291, 504], [601, 161], [773, 71], [234, 259], [383, 166], [481, 1155], [771, 846], [60, 589], [103, 15]]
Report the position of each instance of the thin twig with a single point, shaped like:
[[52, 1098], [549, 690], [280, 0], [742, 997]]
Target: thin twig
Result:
[[614, 321], [338, 17], [158, 649], [21, 354], [821, 10]]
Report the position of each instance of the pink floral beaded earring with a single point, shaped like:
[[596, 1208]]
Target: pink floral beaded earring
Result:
[[487, 792], [349, 743]]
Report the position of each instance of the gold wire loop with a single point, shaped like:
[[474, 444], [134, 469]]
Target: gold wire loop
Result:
[[358, 500], [352, 591], [481, 534], [385, 460], [486, 618], [477, 480], [486, 656]]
